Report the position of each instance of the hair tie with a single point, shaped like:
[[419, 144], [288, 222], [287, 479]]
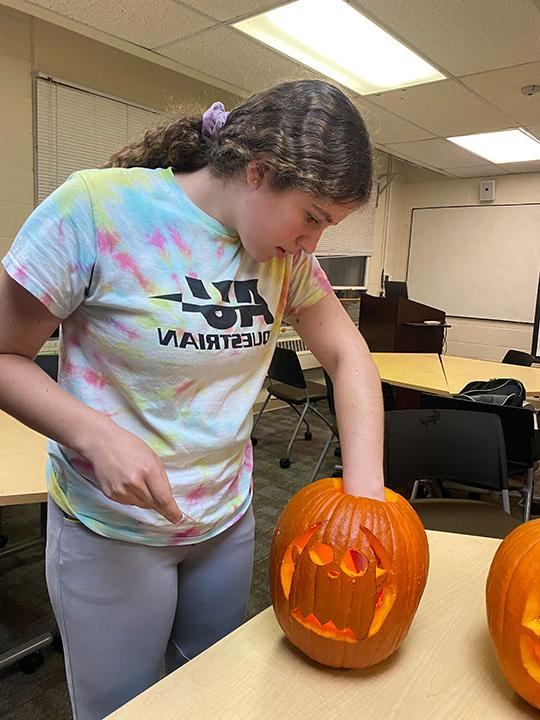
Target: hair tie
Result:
[[214, 119]]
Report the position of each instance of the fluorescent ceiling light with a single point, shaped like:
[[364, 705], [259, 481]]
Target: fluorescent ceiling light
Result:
[[506, 146], [336, 40]]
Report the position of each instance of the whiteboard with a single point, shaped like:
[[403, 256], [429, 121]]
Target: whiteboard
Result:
[[476, 261]]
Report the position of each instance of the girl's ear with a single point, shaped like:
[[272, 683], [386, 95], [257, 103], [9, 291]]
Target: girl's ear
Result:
[[255, 173]]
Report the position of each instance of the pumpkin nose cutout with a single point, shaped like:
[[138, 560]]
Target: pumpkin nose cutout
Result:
[[333, 574], [321, 554]]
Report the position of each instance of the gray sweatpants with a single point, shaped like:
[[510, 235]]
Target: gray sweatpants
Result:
[[124, 610]]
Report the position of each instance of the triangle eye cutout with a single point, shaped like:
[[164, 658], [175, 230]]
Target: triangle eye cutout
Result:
[[354, 563]]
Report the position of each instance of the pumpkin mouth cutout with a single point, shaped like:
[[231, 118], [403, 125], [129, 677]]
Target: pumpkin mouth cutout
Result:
[[328, 629], [383, 605]]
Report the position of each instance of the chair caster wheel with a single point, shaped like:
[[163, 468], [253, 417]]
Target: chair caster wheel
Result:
[[30, 663], [254, 441], [284, 463], [307, 435]]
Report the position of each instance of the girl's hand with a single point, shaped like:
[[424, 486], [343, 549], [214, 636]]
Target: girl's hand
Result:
[[128, 471]]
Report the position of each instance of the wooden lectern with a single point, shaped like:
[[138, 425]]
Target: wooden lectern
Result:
[[400, 325]]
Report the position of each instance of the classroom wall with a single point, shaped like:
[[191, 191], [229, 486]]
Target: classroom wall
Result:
[[29, 45], [417, 188]]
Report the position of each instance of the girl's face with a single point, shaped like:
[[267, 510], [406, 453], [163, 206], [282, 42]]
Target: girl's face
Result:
[[272, 224]]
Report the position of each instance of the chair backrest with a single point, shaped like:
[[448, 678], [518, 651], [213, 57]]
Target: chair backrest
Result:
[[518, 357], [445, 445], [517, 424], [285, 368]]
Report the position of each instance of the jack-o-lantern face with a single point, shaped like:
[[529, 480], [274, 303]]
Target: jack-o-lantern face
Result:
[[347, 573], [513, 609], [362, 573]]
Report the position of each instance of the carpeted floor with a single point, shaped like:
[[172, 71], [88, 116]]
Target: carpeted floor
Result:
[[24, 607]]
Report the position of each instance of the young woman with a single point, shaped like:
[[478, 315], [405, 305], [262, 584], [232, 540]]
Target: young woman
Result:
[[170, 271]]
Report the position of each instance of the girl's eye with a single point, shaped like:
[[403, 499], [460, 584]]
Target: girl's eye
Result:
[[312, 219]]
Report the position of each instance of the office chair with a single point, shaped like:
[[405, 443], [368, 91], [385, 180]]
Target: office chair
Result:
[[521, 440], [518, 357], [286, 382], [442, 446]]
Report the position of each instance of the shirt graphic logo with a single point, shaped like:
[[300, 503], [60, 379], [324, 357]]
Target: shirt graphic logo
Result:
[[245, 304], [250, 303]]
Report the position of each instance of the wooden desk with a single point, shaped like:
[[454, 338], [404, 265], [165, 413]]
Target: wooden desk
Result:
[[445, 669], [23, 455], [459, 371], [416, 371]]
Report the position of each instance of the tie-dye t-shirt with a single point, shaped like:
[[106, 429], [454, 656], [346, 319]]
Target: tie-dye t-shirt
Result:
[[168, 327]]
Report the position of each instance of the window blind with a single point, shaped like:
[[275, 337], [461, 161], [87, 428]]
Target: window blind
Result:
[[353, 236], [79, 129]]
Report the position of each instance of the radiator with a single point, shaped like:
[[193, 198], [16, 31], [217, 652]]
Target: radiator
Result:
[[292, 341]]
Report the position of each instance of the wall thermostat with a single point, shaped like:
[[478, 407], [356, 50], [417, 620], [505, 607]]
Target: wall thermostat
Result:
[[487, 190]]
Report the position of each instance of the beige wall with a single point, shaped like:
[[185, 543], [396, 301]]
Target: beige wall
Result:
[[16, 162], [416, 188], [29, 45]]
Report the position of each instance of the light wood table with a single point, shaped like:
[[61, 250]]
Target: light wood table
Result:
[[445, 669], [23, 455], [416, 371], [460, 371]]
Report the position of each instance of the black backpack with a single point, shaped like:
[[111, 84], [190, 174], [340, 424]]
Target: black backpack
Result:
[[500, 391]]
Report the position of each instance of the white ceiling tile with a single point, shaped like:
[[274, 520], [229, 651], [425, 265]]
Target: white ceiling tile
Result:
[[483, 171], [133, 20], [444, 108], [463, 36], [231, 9], [523, 167], [503, 89], [495, 45], [436, 153], [228, 54], [385, 127]]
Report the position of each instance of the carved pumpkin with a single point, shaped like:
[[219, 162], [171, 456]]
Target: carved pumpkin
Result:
[[513, 609], [347, 573]]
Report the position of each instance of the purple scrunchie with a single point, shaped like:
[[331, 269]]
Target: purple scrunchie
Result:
[[214, 119]]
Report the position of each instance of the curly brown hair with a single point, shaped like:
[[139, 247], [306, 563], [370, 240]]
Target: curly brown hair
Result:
[[307, 133]]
